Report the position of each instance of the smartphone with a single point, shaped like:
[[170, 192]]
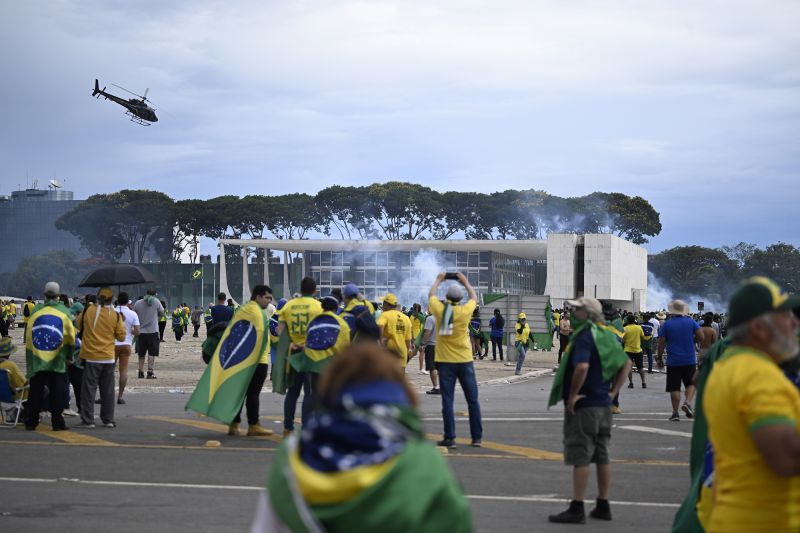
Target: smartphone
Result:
[[451, 275]]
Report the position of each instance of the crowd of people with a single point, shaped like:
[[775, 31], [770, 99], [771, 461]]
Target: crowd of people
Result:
[[751, 404]]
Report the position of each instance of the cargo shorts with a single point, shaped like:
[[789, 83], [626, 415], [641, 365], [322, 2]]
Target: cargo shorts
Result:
[[586, 436]]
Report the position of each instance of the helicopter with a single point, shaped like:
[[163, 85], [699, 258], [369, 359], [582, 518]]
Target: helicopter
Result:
[[137, 109]]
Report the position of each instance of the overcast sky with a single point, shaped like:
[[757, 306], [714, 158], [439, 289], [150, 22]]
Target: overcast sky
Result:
[[693, 105]]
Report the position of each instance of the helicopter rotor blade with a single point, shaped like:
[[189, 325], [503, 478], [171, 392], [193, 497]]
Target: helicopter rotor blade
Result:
[[144, 97], [126, 90]]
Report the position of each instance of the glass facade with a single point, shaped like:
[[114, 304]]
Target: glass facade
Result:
[[27, 224]]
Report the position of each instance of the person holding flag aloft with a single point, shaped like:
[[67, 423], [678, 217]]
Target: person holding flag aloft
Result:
[[592, 370], [49, 342]]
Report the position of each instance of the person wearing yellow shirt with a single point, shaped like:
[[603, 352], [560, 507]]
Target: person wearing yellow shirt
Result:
[[262, 295], [27, 309], [632, 337], [522, 334], [453, 355], [395, 329], [13, 307], [753, 414], [294, 318]]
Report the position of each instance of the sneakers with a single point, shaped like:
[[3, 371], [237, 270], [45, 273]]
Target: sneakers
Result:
[[644, 385], [601, 511], [434, 391], [70, 412], [141, 374], [426, 373], [688, 410], [257, 430], [630, 385], [109, 424], [615, 410], [151, 375], [476, 443], [573, 515], [120, 401], [233, 430], [675, 417], [84, 425], [447, 443]]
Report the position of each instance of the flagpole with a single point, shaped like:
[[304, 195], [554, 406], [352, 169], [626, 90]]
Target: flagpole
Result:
[[202, 288]]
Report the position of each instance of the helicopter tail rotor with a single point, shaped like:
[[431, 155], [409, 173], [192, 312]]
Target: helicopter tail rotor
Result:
[[96, 88]]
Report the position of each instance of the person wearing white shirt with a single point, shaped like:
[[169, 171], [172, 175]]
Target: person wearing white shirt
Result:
[[122, 349]]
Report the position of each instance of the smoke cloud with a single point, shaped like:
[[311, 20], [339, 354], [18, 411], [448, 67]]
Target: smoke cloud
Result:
[[659, 296]]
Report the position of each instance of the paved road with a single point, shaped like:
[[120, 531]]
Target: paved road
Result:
[[154, 473]]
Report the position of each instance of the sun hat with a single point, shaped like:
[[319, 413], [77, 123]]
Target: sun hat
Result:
[[678, 307], [521, 316], [7, 347], [592, 305]]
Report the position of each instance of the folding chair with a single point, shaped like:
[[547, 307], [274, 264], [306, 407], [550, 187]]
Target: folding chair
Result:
[[11, 414]]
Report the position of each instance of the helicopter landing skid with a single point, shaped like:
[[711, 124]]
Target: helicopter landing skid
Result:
[[137, 120]]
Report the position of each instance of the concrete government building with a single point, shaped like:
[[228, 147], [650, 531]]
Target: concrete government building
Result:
[[562, 267]]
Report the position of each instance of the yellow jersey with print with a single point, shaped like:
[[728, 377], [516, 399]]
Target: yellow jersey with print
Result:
[[296, 315], [632, 337], [416, 326], [522, 333], [455, 348], [264, 359], [397, 332], [747, 391]]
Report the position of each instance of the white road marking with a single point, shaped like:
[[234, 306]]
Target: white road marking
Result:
[[536, 419], [657, 431], [533, 498]]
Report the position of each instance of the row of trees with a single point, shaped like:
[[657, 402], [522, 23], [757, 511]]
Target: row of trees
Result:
[[136, 223], [715, 272]]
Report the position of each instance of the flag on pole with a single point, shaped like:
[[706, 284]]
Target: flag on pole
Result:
[[221, 390]]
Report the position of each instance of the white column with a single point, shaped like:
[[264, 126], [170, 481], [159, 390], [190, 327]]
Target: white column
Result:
[[245, 279], [266, 267], [223, 274], [286, 291]]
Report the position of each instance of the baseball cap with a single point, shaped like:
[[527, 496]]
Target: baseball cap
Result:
[[522, 315], [52, 288], [281, 303], [592, 305], [105, 293], [350, 290], [390, 299], [454, 293], [757, 296]]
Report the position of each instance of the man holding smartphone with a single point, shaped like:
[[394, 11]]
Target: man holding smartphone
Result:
[[453, 355]]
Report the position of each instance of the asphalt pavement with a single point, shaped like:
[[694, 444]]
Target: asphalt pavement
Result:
[[160, 469]]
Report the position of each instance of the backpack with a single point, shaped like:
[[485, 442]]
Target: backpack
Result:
[[362, 324]]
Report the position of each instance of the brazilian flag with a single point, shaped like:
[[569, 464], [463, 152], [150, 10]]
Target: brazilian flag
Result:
[[396, 496], [327, 335], [281, 370], [49, 339], [221, 390], [612, 356]]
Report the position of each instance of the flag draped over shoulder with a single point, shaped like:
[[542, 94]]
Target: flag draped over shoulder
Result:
[[367, 469], [221, 390], [281, 377], [327, 335], [49, 339], [695, 508], [612, 356]]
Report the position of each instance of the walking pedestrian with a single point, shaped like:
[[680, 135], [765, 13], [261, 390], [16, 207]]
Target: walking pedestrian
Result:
[[221, 312], [358, 314], [632, 338], [152, 320], [196, 318], [678, 336], [428, 347], [522, 334], [178, 323], [454, 357], [49, 342], [710, 336], [475, 334], [395, 330], [496, 325], [593, 370], [100, 325]]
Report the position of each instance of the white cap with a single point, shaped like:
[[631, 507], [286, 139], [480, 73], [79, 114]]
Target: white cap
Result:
[[454, 293], [52, 289]]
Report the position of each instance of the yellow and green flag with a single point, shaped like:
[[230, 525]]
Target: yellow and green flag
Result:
[[49, 338], [221, 390]]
